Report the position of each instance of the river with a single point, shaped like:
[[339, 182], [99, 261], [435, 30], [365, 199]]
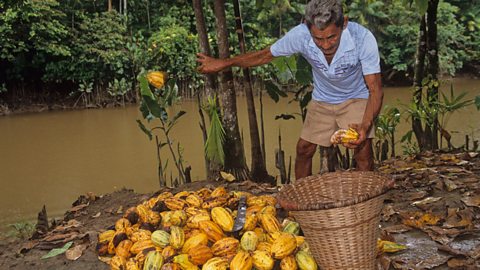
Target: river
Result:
[[51, 158]]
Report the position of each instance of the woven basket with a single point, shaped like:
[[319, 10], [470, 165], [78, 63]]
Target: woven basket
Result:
[[339, 214]]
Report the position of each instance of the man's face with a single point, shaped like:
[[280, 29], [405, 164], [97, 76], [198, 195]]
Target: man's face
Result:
[[328, 39]]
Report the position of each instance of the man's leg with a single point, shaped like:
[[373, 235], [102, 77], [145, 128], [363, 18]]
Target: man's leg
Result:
[[364, 156], [303, 161]]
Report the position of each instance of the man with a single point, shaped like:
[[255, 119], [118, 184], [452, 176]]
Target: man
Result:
[[346, 75]]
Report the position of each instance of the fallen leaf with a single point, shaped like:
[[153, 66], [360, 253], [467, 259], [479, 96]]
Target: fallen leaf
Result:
[[387, 212], [97, 215], [57, 251], [450, 185], [78, 207], [227, 176], [120, 210], [105, 259], [76, 252], [399, 228], [457, 262], [472, 201], [389, 247], [426, 201]]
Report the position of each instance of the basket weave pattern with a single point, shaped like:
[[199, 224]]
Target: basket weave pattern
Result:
[[339, 214]]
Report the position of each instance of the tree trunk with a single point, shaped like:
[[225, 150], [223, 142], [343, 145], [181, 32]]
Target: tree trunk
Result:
[[258, 169], [419, 73], [433, 66], [234, 157], [109, 8], [204, 45], [210, 85]]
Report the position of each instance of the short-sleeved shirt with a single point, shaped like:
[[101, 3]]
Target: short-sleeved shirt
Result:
[[342, 79]]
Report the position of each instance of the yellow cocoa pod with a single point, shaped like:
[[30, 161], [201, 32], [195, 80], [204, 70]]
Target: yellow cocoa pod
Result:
[[123, 248], [153, 217], [198, 239], [118, 263], [150, 203], [160, 238], [193, 221], [216, 263], [122, 224], [219, 192], [177, 237], [257, 201], [184, 263], [156, 78], [175, 203], [250, 222], [269, 200], [249, 241], [262, 260], [141, 235], [171, 266], [203, 193], [141, 245], [192, 211], [106, 236], [241, 261], [223, 218], [212, 230], [153, 261], [178, 218], [254, 209], [200, 254], [269, 223], [283, 246], [288, 263], [164, 195], [225, 246], [140, 257], [142, 211], [214, 202], [305, 261], [271, 237], [292, 227], [168, 252], [182, 194], [262, 236], [268, 209], [132, 265], [265, 246], [300, 240], [194, 200]]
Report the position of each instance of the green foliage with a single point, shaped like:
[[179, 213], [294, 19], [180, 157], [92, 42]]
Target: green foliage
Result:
[[216, 134], [154, 106], [173, 49], [21, 230]]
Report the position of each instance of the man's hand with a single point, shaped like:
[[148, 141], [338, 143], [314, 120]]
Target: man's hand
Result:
[[362, 136], [209, 64]]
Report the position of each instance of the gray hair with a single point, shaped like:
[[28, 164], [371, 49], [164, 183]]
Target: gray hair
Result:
[[322, 13]]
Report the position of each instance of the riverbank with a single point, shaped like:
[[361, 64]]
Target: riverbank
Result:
[[434, 210]]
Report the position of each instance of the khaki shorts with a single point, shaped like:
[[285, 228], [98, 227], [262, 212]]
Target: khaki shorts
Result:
[[323, 119]]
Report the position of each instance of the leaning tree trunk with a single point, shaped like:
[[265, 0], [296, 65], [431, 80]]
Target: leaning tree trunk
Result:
[[433, 66], [258, 169], [234, 154], [211, 167]]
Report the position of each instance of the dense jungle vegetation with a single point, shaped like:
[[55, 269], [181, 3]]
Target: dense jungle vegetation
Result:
[[89, 53]]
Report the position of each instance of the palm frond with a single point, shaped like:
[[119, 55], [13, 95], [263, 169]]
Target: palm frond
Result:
[[216, 134]]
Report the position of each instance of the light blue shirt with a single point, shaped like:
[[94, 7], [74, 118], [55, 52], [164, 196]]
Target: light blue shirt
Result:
[[356, 56]]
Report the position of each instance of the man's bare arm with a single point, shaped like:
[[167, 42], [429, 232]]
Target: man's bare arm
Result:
[[213, 65], [374, 105]]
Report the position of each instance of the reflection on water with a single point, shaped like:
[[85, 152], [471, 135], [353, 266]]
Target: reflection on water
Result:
[[51, 158]]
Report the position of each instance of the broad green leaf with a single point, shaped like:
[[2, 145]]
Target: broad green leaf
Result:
[[272, 90], [304, 71], [144, 88], [57, 251], [477, 102]]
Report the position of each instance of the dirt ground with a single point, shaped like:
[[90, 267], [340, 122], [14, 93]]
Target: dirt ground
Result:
[[433, 210]]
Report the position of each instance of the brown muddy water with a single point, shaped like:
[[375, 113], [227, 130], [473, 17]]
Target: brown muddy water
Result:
[[51, 158]]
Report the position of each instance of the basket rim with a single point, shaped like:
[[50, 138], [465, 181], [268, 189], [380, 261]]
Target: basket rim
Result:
[[289, 204]]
